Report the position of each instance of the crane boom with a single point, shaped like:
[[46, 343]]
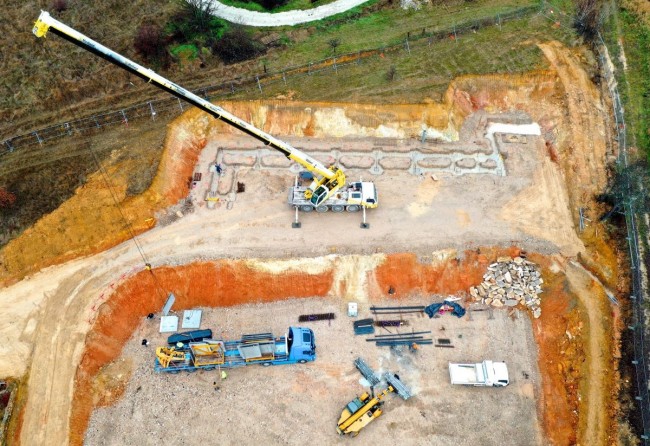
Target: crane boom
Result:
[[328, 179]]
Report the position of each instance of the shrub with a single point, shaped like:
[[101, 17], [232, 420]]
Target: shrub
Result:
[[7, 199], [150, 44], [59, 5], [236, 45]]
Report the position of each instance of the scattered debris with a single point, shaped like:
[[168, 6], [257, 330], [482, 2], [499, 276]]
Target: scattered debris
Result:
[[510, 282], [437, 308], [316, 317]]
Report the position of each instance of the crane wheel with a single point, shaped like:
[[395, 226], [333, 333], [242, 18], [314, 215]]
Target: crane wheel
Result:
[[322, 209], [303, 361], [353, 208], [338, 208], [306, 208]]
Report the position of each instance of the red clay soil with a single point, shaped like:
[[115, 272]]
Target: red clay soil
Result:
[[405, 274], [203, 284], [560, 359]]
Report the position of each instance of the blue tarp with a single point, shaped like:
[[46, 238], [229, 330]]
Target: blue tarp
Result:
[[433, 309]]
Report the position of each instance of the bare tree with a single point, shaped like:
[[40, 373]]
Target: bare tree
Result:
[[391, 74], [334, 44], [588, 16]]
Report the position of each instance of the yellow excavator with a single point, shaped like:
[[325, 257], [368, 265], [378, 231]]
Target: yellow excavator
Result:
[[359, 412]]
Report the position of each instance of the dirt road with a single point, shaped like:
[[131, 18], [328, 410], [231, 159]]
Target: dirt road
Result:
[[254, 18]]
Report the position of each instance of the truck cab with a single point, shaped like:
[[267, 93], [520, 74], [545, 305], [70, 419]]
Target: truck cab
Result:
[[300, 344]]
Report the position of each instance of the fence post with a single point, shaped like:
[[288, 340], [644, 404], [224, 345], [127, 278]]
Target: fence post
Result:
[[499, 21], [68, 129], [38, 138], [335, 68], [153, 112], [309, 69], [284, 78], [358, 57], [180, 104], [125, 119], [455, 35], [232, 87], [408, 48], [96, 122], [258, 83], [9, 146]]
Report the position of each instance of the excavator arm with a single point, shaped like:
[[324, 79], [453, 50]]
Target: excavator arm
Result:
[[328, 179]]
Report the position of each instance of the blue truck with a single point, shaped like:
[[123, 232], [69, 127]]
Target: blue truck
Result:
[[297, 346]]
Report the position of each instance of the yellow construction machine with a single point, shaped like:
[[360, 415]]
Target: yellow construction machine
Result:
[[359, 412]]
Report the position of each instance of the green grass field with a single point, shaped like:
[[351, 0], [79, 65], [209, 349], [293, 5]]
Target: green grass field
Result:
[[425, 73]]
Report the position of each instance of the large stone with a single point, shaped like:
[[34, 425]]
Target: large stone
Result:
[[511, 302]]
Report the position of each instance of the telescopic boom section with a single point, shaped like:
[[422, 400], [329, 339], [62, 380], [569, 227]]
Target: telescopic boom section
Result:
[[332, 178]]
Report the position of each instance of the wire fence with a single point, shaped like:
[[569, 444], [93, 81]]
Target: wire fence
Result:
[[172, 106], [637, 324]]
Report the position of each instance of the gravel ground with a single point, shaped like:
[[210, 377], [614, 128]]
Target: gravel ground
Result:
[[295, 404]]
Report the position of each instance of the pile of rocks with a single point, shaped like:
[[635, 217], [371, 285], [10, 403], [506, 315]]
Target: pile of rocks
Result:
[[510, 282]]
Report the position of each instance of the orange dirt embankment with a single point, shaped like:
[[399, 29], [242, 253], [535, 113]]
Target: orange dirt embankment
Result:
[[216, 284], [90, 222]]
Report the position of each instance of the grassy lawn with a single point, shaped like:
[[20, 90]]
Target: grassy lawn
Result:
[[386, 27], [426, 72]]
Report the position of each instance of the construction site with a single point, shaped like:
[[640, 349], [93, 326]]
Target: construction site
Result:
[[302, 271]]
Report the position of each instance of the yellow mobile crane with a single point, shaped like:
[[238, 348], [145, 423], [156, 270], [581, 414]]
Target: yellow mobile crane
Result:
[[328, 190]]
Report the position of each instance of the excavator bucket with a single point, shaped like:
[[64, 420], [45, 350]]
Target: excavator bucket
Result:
[[397, 385]]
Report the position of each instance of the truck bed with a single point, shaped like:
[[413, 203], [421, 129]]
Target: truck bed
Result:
[[469, 374]]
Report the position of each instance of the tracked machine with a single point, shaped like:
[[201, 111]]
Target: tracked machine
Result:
[[328, 191]]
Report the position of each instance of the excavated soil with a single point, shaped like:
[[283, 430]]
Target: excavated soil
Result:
[[559, 332]]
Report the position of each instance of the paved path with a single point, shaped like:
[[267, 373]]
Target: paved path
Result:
[[253, 18]]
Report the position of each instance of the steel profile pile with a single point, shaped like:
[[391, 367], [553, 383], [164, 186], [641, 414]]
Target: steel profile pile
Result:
[[391, 340], [396, 310], [316, 317]]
